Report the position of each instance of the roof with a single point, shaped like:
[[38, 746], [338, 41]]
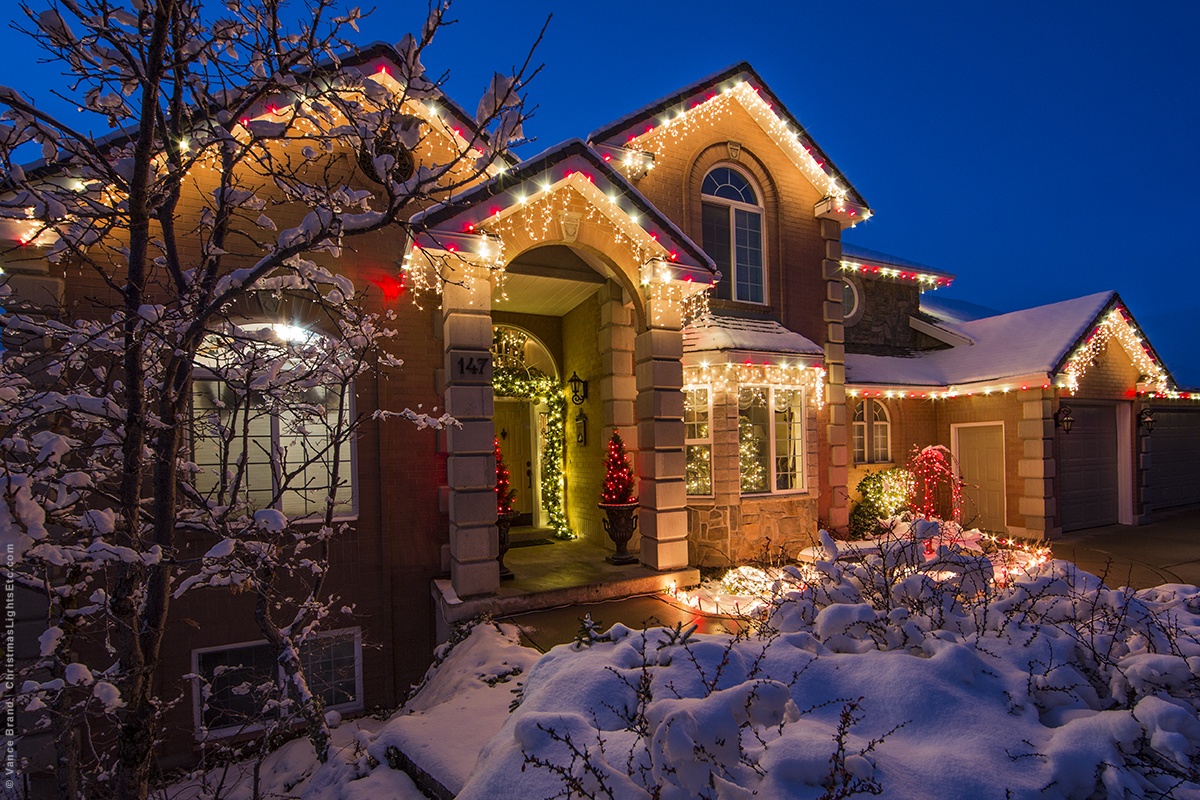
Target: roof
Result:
[[619, 132], [868, 261], [946, 310], [370, 56], [1033, 341], [570, 156], [716, 332]]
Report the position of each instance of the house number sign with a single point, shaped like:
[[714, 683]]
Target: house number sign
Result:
[[470, 366]]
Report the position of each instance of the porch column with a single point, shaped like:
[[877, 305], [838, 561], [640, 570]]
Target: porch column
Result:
[[1037, 466], [662, 516], [471, 464], [835, 366]]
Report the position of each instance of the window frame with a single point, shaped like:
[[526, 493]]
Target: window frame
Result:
[[732, 207], [869, 427], [773, 439], [707, 441], [203, 734], [200, 373]]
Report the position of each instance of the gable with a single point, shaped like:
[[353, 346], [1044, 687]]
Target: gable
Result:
[[714, 101]]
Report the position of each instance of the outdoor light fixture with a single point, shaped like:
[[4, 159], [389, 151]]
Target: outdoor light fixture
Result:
[[1146, 420], [578, 388], [1063, 419]]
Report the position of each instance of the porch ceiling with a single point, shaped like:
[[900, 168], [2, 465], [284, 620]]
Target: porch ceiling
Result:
[[539, 294]]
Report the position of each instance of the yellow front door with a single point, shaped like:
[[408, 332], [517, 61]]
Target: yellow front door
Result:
[[514, 430]]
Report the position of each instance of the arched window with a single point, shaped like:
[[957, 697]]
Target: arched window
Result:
[[733, 233], [872, 433], [271, 426]]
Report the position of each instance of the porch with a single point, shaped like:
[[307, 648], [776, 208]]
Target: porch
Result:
[[551, 573]]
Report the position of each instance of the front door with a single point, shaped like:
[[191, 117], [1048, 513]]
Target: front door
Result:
[[981, 466], [514, 429]]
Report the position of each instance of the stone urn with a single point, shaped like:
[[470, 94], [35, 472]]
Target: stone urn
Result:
[[503, 523], [619, 523]]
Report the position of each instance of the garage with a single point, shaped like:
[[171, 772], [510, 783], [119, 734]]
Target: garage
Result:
[[1088, 469], [1174, 478]]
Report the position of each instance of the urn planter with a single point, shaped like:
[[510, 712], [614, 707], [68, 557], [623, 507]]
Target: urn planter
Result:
[[619, 523], [503, 523]]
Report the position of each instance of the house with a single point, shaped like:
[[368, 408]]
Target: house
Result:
[[685, 267]]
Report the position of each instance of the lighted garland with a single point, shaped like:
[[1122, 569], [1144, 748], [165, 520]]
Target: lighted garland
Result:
[[509, 383]]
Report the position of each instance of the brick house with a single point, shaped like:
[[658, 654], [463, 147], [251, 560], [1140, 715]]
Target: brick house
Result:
[[686, 263]]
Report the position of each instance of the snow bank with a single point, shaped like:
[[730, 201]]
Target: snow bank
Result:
[[876, 675]]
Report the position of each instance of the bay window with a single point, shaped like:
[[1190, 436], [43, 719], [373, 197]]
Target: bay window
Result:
[[696, 415]]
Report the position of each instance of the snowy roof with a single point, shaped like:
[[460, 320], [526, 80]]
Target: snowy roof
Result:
[[481, 201], [948, 310], [724, 333], [854, 253], [370, 56], [1034, 341], [619, 131]]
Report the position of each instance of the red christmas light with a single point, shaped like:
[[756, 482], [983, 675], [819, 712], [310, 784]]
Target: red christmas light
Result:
[[504, 491], [618, 475]]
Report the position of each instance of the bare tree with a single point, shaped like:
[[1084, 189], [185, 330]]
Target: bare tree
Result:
[[247, 148]]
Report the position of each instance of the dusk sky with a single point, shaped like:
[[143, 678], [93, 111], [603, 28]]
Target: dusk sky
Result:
[[1039, 151]]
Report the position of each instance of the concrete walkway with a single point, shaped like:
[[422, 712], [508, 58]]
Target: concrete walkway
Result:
[[1141, 556]]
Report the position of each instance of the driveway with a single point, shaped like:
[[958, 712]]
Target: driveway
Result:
[[1165, 551]]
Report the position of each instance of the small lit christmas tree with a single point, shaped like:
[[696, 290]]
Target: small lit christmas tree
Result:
[[618, 475], [504, 491], [750, 458]]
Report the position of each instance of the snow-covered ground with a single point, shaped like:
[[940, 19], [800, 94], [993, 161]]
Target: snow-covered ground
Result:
[[874, 674]]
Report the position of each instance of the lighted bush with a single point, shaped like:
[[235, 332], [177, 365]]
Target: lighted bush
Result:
[[884, 494]]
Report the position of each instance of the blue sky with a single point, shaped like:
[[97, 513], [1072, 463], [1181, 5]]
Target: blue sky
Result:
[[1039, 151]]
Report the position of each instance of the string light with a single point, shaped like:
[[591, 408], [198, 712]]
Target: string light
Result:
[[925, 279], [672, 126], [727, 377], [543, 389], [1115, 325]]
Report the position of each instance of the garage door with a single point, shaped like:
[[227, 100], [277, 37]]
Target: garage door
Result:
[[1087, 468], [1175, 458]]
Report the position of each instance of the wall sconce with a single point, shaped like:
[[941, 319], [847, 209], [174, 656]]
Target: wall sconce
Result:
[[578, 388], [1063, 419], [1146, 420], [581, 428]]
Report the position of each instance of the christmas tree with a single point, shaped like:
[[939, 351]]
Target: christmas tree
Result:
[[618, 475], [504, 491]]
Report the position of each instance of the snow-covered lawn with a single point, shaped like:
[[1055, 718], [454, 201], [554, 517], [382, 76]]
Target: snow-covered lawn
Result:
[[877, 674]]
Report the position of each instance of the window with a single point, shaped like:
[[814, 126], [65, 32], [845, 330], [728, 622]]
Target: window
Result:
[[872, 433], [696, 413], [235, 684], [771, 439], [732, 232], [291, 442]]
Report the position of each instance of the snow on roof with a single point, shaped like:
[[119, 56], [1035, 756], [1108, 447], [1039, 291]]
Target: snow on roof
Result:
[[852, 252], [652, 116], [948, 310], [723, 332], [1033, 341], [500, 190]]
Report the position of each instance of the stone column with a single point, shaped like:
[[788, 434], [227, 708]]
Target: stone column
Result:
[[1037, 465], [835, 386], [662, 517], [618, 386], [471, 464]]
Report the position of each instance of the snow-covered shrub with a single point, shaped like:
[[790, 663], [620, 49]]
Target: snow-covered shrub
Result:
[[885, 672]]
